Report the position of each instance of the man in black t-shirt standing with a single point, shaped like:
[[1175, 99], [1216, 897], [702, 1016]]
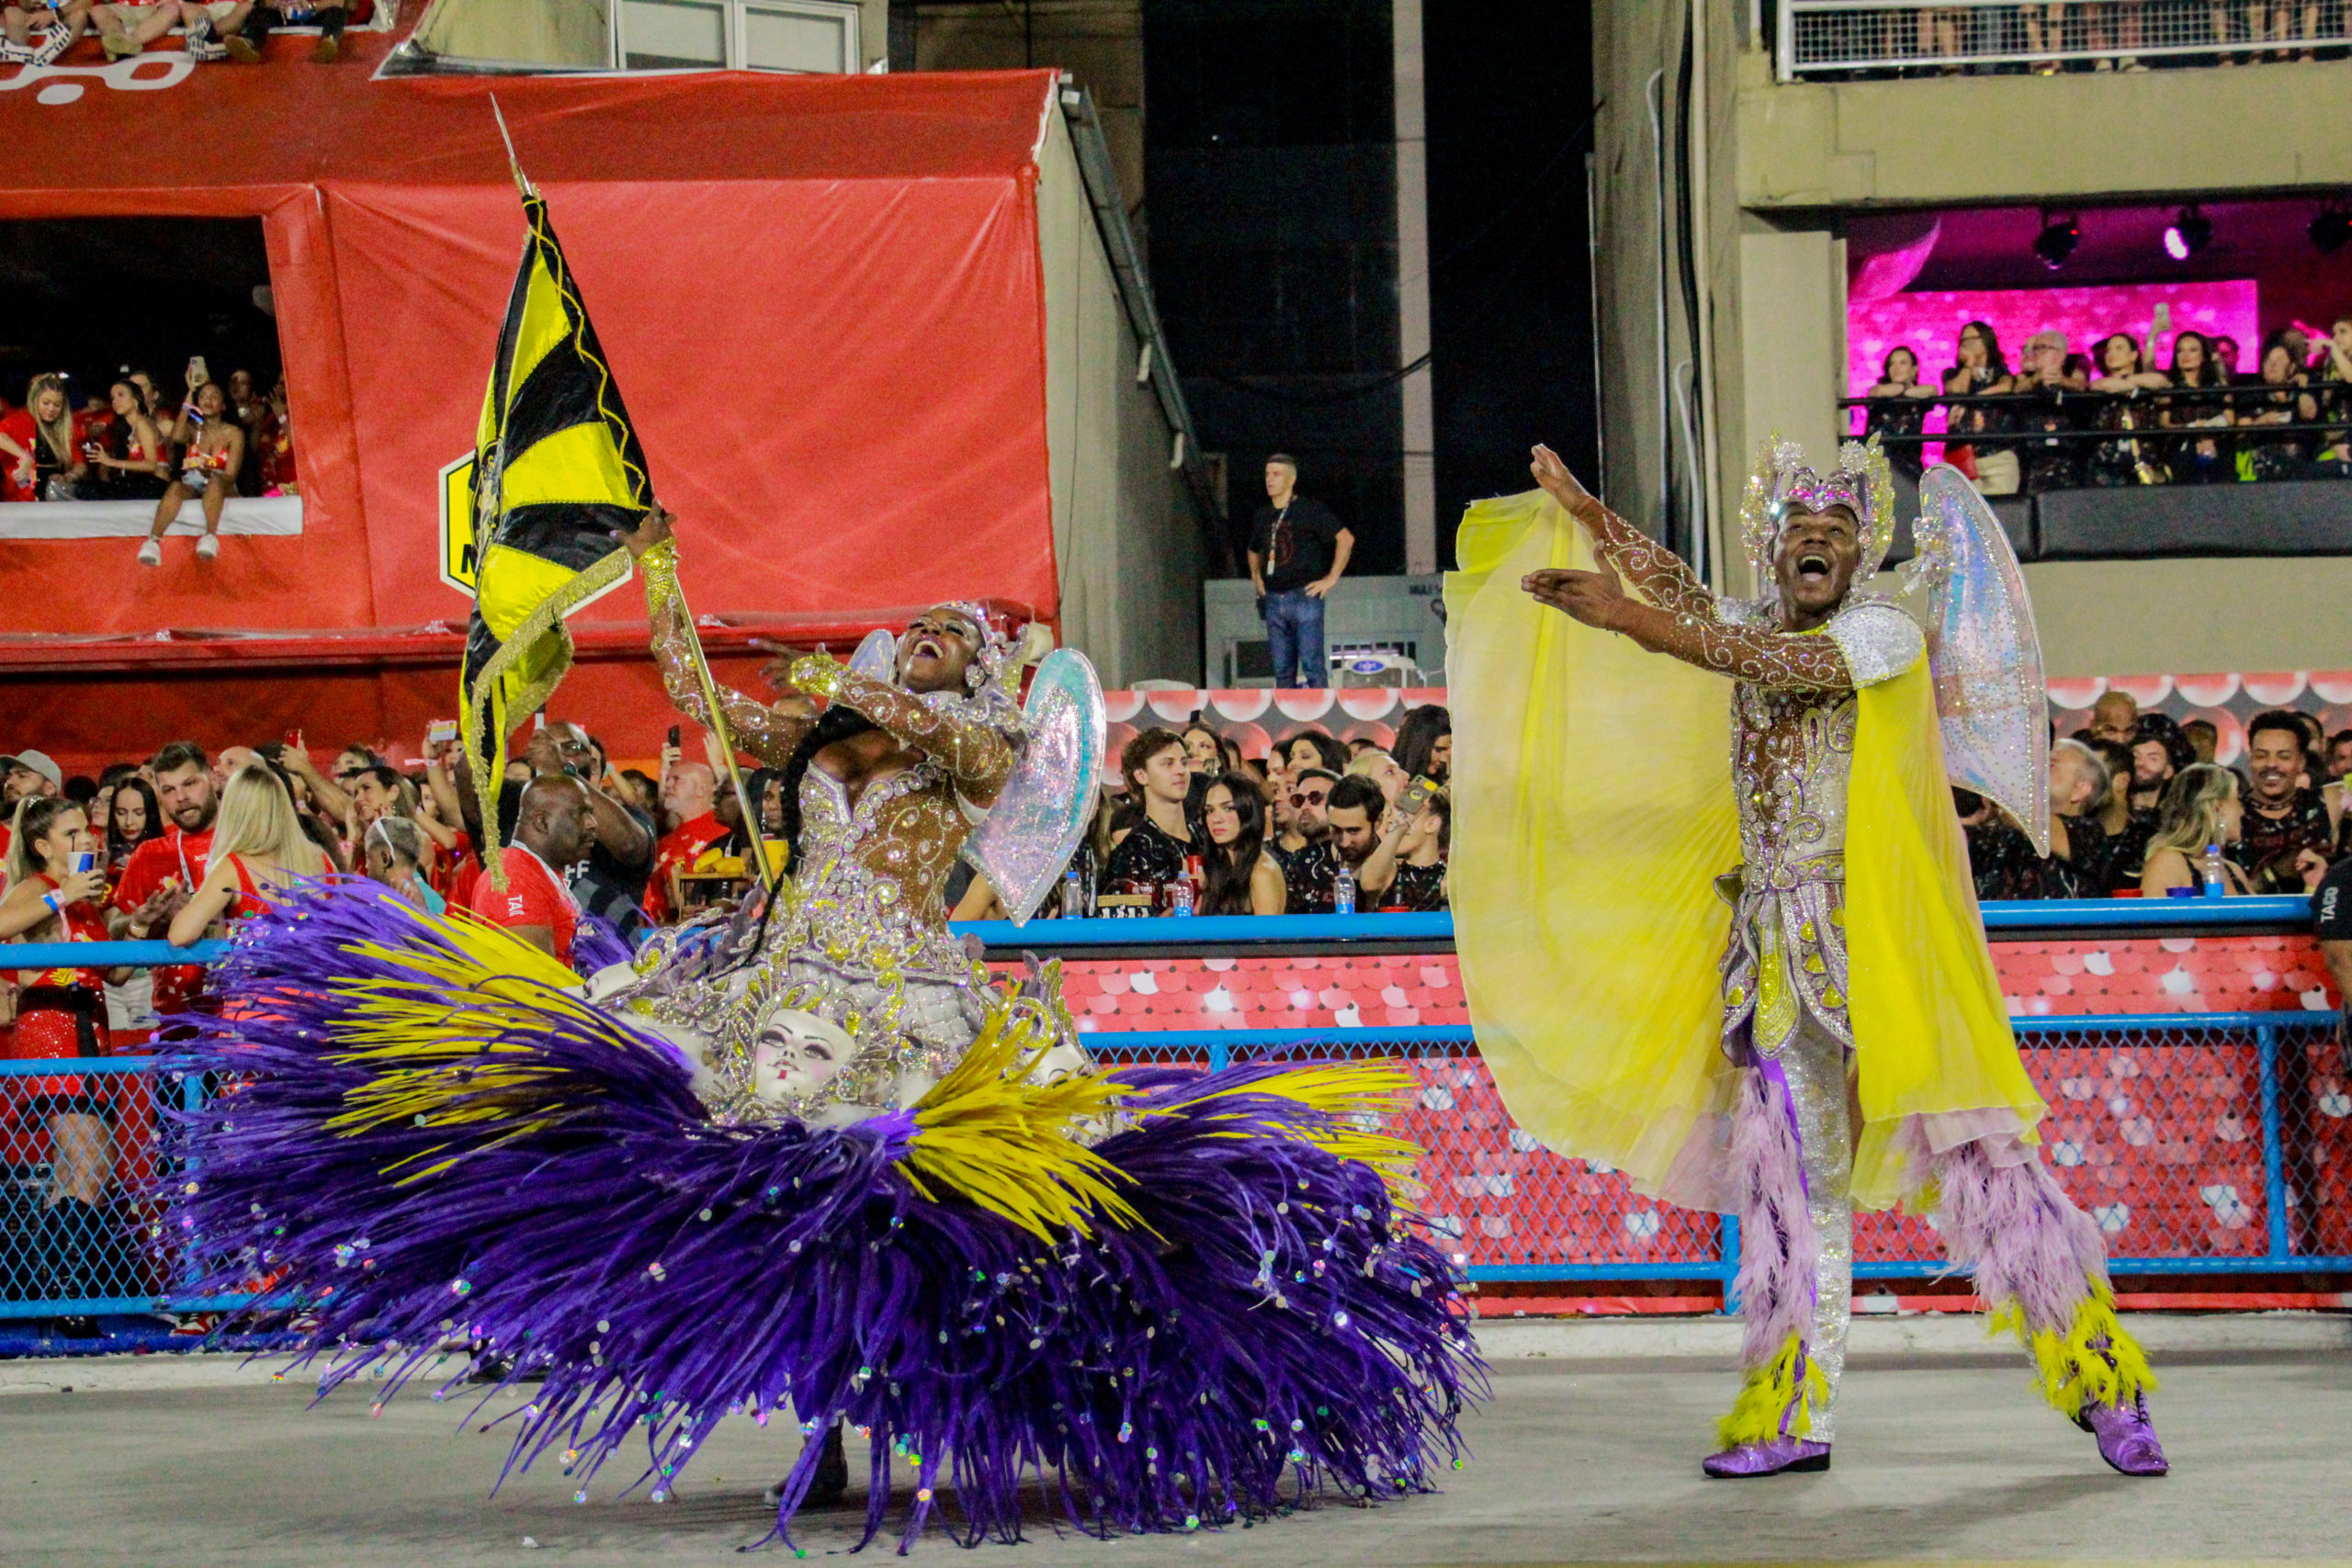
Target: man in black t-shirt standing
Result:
[[1298, 552]]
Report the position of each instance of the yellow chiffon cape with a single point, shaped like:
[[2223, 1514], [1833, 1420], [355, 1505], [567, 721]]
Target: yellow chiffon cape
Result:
[[1593, 787]]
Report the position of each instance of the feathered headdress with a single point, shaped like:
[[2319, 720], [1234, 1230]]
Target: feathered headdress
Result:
[[1780, 483]]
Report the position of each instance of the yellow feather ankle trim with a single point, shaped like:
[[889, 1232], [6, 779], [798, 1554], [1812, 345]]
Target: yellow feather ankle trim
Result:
[[2095, 1363], [1764, 1399]]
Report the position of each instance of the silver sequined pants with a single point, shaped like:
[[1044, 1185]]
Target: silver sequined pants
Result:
[[1814, 1063]]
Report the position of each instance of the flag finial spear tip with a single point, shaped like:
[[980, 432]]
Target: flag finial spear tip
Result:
[[521, 183]]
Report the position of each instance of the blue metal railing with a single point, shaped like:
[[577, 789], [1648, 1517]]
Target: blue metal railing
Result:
[[2271, 1034], [2123, 917], [2270, 1030]]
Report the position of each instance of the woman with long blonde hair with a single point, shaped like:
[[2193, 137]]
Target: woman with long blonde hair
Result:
[[2200, 807], [37, 440], [258, 846]]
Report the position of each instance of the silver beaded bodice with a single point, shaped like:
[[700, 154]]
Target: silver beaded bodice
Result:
[[1793, 752]]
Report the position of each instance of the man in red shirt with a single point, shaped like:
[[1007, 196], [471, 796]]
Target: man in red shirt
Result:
[[679, 849], [552, 832], [162, 873]]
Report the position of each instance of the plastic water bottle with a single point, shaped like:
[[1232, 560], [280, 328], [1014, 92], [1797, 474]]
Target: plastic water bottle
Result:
[[1180, 899], [1343, 892], [2210, 867], [1073, 895]]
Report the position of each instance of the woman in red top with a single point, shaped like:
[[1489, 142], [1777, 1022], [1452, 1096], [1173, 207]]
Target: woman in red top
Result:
[[258, 846], [131, 460], [40, 443], [60, 1013]]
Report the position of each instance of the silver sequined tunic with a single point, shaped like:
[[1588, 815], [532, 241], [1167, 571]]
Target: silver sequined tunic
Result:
[[1792, 748]]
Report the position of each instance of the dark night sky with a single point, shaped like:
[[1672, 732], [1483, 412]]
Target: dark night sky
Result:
[[1272, 215], [1509, 88]]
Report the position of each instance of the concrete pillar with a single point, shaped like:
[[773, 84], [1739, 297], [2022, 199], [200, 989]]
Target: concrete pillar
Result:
[[1413, 289], [1793, 343]]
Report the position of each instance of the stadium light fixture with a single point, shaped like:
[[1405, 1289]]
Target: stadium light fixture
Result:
[[2190, 232], [2057, 241]]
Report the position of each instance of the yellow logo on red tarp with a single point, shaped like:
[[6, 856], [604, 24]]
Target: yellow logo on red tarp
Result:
[[459, 547]]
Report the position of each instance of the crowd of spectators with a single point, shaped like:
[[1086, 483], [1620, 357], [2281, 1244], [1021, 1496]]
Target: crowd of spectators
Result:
[[183, 844], [2139, 806], [39, 32], [1192, 826], [132, 441], [2109, 416]]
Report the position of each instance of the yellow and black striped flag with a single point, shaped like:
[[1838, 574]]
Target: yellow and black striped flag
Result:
[[557, 468]]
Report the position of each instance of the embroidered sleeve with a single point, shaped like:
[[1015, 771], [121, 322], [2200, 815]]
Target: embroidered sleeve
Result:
[[1778, 660], [977, 756], [766, 734], [1657, 572]]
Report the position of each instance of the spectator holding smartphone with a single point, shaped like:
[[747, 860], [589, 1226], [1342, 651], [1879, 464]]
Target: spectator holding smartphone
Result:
[[216, 450], [133, 818], [258, 849], [128, 460], [54, 884], [1405, 870], [45, 457]]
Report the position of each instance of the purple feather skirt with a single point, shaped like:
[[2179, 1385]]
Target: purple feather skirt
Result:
[[1280, 1326]]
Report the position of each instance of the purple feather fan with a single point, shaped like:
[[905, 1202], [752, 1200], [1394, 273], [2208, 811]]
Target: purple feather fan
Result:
[[1278, 1327], [597, 945]]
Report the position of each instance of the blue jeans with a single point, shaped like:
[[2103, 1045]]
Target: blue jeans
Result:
[[1295, 635]]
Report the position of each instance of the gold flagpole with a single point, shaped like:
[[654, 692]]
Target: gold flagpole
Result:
[[770, 873]]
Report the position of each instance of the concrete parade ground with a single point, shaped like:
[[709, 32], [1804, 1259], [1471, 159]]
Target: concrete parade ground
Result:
[[1589, 1453]]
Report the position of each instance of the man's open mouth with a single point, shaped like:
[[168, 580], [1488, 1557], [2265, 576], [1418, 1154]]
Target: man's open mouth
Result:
[[1813, 566], [929, 646]]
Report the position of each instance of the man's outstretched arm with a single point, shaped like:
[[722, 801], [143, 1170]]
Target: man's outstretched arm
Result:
[[1795, 661], [1649, 566]]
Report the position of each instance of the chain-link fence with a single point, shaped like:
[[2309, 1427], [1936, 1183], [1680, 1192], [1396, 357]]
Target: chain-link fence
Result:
[[2219, 1142], [2202, 1143], [1847, 37], [77, 1151]]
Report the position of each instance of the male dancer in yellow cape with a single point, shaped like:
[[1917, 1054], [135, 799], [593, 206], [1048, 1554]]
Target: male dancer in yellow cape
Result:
[[1755, 981]]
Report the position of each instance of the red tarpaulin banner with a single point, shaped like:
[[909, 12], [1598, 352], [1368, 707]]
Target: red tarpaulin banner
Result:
[[821, 295]]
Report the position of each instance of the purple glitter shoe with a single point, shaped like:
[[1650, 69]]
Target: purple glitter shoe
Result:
[[2126, 1440], [1776, 1456]]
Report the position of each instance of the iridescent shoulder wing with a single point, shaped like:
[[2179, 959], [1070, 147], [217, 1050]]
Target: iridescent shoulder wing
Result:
[[877, 656], [1983, 652], [1044, 808]]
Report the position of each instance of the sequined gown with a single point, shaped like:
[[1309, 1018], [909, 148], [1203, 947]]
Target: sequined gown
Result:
[[1784, 973], [871, 914]]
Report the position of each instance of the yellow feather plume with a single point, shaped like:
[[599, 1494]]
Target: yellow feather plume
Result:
[[1764, 1399], [2094, 1362], [1354, 1094], [480, 995], [1005, 1144]]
